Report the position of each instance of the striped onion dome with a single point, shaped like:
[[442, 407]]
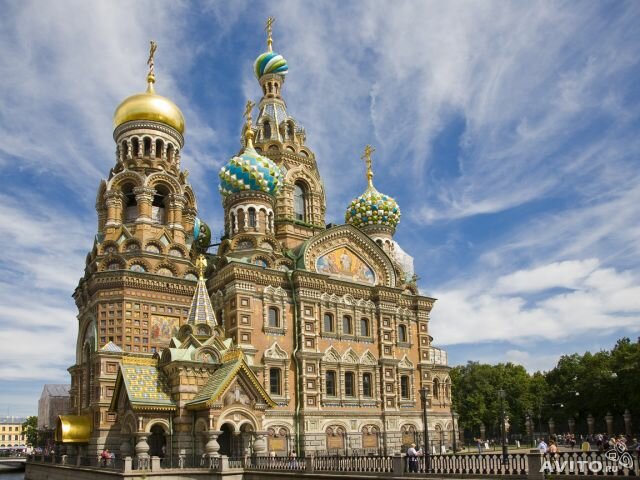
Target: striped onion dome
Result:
[[250, 171], [270, 62]]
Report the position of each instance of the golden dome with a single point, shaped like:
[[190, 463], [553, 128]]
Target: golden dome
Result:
[[149, 106]]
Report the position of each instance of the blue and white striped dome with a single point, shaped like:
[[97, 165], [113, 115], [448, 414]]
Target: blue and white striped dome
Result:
[[270, 62], [250, 171]]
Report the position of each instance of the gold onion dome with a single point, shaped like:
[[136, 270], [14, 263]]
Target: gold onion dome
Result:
[[149, 105]]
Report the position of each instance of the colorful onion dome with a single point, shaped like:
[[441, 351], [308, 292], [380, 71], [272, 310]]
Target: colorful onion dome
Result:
[[373, 208], [250, 171], [270, 62]]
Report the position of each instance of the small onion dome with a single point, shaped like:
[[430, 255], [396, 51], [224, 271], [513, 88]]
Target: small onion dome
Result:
[[250, 171], [373, 208], [201, 234], [149, 106], [270, 62]]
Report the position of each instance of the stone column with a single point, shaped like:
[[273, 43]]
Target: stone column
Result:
[[552, 426], [483, 431], [609, 419], [590, 422], [212, 446], [144, 198], [572, 425], [627, 422], [176, 205], [114, 201], [260, 444], [142, 450]]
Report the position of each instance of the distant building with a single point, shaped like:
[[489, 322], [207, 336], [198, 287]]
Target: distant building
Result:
[[54, 400], [11, 434]]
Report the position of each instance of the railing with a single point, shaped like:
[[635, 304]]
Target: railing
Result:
[[277, 463], [238, 462], [353, 464]]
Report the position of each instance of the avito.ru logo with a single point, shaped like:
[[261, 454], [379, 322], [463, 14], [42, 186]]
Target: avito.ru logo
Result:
[[616, 459]]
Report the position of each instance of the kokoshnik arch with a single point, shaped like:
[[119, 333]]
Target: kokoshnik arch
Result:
[[294, 335]]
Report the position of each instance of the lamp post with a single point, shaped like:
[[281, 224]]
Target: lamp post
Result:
[[454, 417], [503, 430], [424, 396]]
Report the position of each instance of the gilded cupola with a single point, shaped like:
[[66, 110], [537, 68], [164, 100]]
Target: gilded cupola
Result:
[[149, 105]]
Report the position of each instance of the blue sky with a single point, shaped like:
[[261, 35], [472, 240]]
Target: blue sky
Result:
[[507, 131]]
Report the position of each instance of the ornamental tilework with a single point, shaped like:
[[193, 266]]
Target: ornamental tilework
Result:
[[146, 385], [201, 310], [250, 171]]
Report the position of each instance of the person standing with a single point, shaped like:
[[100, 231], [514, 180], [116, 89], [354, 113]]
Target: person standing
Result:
[[412, 455], [542, 446]]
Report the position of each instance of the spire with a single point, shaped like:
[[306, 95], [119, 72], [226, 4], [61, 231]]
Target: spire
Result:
[[269, 31], [368, 150], [151, 76], [201, 310]]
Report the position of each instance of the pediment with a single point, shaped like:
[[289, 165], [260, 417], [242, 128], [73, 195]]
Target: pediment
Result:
[[344, 252], [276, 352]]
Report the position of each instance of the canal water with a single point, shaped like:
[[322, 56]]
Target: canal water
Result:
[[11, 475]]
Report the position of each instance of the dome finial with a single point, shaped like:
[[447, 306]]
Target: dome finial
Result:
[[248, 132], [268, 29], [201, 265], [368, 150], [151, 77]]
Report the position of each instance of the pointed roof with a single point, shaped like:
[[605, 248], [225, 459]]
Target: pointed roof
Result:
[[111, 347], [234, 364], [146, 387], [201, 310]]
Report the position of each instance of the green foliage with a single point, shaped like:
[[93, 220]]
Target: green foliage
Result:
[[30, 430], [579, 385]]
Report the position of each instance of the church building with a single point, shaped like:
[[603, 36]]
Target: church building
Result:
[[289, 335]]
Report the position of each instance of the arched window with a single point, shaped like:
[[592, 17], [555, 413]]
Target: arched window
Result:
[[347, 326], [124, 150], [331, 383], [267, 130], [159, 147], [364, 327], [275, 381], [130, 203], [289, 129], [402, 333], [299, 201], [146, 142], [436, 388], [252, 217], [274, 317], [328, 323], [158, 208], [404, 386], [135, 147], [366, 385], [349, 384]]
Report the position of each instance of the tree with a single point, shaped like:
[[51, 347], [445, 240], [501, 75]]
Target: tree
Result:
[[30, 430]]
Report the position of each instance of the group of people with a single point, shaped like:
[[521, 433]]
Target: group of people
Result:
[[602, 443], [106, 457]]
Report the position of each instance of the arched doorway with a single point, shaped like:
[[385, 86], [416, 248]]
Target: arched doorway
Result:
[[224, 440], [157, 442]]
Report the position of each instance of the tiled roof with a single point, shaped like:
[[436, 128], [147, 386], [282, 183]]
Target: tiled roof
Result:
[[111, 347], [145, 384], [56, 390]]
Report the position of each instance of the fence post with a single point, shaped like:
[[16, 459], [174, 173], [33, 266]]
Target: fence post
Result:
[[534, 464], [128, 464], [223, 466], [155, 464], [309, 465], [398, 464]]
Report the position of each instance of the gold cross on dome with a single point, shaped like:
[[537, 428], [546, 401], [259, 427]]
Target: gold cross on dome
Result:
[[201, 265], [269, 30], [368, 150], [247, 110], [152, 52]]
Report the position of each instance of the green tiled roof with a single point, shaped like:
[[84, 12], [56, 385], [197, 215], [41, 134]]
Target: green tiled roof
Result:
[[145, 385]]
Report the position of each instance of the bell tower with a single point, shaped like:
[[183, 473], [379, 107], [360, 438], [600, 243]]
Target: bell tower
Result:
[[300, 204]]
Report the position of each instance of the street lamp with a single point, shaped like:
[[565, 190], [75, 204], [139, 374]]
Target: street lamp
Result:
[[424, 396], [503, 429], [454, 417]]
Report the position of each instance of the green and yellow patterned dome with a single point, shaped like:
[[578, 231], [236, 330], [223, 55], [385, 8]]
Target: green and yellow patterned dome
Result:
[[372, 208]]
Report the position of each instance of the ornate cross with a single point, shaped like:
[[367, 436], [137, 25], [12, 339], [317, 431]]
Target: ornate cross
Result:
[[269, 30], [247, 110], [152, 51], [368, 150]]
